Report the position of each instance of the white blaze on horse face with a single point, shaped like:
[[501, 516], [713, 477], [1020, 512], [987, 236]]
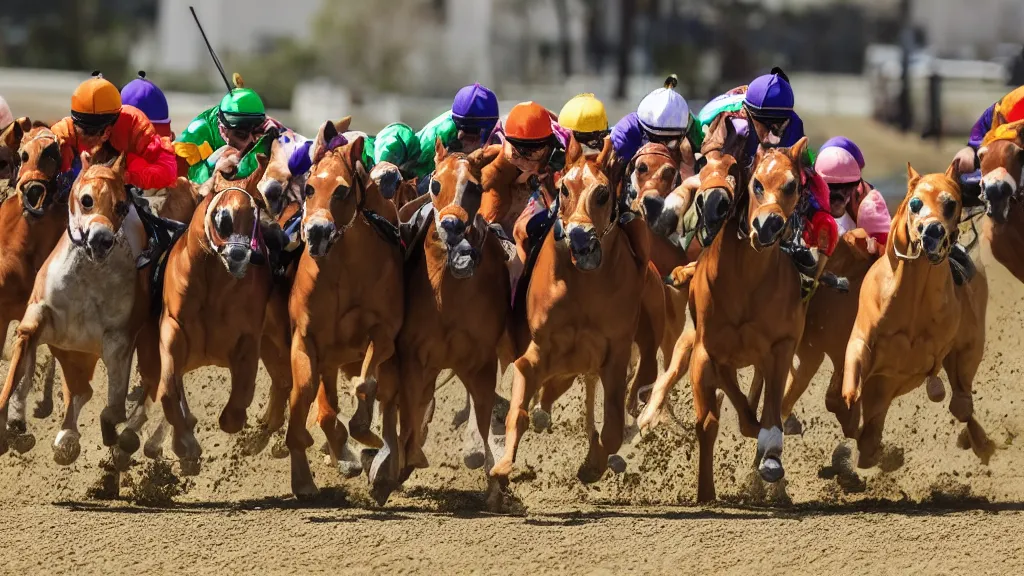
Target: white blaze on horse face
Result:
[[998, 176]]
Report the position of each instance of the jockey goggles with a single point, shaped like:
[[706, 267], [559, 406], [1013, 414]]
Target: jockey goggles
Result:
[[529, 149], [242, 121], [93, 124], [594, 140]]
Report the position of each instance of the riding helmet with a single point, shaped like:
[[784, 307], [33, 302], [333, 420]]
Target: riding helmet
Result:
[[147, 97], [584, 113], [241, 108], [475, 106], [664, 112], [95, 103], [528, 122], [770, 96], [836, 165]]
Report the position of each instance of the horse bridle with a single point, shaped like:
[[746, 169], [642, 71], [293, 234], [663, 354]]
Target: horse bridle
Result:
[[254, 236], [57, 185]]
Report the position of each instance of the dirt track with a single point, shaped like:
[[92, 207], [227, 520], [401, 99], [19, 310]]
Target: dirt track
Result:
[[940, 512]]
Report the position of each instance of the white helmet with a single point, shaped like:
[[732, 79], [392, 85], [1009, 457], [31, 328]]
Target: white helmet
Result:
[[6, 118], [664, 112]]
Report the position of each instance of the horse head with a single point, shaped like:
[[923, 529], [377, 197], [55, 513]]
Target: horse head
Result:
[[40, 158], [10, 143], [335, 190], [653, 173], [928, 219], [587, 203], [773, 193], [232, 217], [1002, 168], [98, 206], [281, 185], [456, 193]]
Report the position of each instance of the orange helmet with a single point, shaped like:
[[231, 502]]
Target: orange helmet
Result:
[[528, 121], [96, 96]]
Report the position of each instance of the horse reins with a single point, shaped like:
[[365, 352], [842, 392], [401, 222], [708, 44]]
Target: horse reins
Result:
[[255, 236]]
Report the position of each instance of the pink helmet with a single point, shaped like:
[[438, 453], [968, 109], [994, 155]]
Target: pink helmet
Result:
[[837, 166]]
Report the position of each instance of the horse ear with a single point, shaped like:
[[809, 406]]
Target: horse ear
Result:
[[355, 151], [326, 133], [997, 119], [27, 125], [12, 135], [343, 125], [573, 151], [86, 161], [952, 172], [482, 157], [605, 157], [439, 151], [118, 166], [912, 178], [799, 151]]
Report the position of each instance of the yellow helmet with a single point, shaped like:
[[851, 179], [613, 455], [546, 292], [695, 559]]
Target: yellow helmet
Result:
[[584, 113]]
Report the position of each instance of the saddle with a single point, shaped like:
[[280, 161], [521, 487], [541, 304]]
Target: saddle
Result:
[[161, 234]]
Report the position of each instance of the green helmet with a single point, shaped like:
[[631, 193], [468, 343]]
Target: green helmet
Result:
[[241, 109]]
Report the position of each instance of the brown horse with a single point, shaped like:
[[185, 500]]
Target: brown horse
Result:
[[914, 319], [89, 301], [215, 304], [568, 328], [1002, 168], [457, 297], [33, 219], [345, 306], [737, 326]]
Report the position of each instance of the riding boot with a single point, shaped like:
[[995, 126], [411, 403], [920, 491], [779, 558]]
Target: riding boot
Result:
[[961, 264]]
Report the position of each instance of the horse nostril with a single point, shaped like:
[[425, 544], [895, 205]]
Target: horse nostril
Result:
[[453, 228], [935, 231], [653, 205], [100, 242], [238, 254]]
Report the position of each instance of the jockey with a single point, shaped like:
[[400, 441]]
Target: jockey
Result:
[[98, 117], [585, 116], [852, 202], [662, 116], [147, 97], [240, 120]]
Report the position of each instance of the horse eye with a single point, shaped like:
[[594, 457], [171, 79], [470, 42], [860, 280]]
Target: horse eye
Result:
[[435, 187], [87, 202], [340, 191], [308, 191], [24, 157], [916, 204], [224, 224], [758, 188], [565, 191], [641, 168], [949, 209], [602, 196]]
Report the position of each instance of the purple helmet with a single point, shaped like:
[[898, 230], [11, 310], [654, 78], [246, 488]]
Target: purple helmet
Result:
[[475, 106], [770, 96], [144, 95]]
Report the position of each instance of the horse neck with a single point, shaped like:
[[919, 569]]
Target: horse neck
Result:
[[29, 235], [734, 261], [918, 282]]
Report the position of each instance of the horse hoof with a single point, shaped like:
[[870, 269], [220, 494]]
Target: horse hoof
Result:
[[936, 391], [22, 443], [771, 469], [589, 474], [66, 448], [129, 441], [120, 459], [541, 420], [153, 450], [279, 450], [474, 460], [349, 469], [792, 426], [305, 491], [190, 466], [616, 464]]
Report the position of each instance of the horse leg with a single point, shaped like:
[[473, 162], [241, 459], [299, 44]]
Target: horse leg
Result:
[[19, 378], [480, 386], [876, 402], [297, 438], [415, 397], [382, 347], [78, 368], [961, 366], [276, 360], [797, 382], [171, 394], [753, 399], [678, 366], [552, 390], [117, 357], [44, 407], [746, 413], [769, 439], [147, 351], [704, 381], [613, 380], [385, 472], [845, 402], [525, 378], [337, 436], [649, 333]]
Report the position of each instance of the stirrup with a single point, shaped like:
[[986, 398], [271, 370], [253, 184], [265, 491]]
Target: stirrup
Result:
[[839, 283]]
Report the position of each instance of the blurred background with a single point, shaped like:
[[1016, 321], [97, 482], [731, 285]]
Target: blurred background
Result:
[[905, 78]]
